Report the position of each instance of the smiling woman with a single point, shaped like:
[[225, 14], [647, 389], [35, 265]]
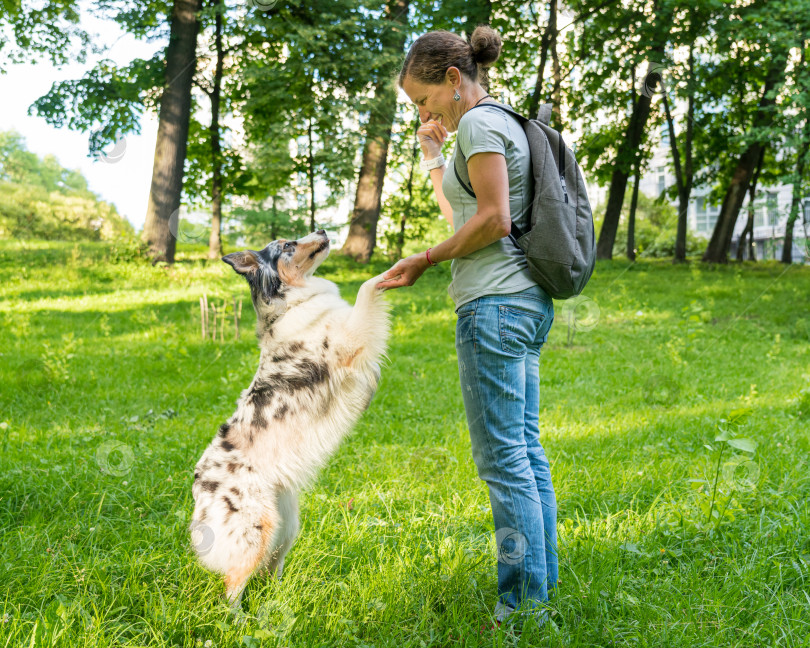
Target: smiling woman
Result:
[[504, 317]]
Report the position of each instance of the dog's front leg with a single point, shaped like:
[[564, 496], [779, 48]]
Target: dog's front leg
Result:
[[367, 326]]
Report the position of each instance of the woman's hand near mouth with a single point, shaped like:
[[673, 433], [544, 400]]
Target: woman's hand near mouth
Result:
[[431, 136]]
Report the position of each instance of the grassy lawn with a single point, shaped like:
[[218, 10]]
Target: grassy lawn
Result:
[[668, 537]]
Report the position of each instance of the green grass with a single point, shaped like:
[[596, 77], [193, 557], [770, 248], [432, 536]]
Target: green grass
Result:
[[109, 397]]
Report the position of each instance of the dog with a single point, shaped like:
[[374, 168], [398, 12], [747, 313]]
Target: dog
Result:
[[319, 367]]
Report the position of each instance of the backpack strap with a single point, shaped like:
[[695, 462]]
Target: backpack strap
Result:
[[544, 114], [516, 232]]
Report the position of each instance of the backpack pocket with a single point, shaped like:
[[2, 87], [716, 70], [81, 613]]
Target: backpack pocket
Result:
[[553, 238]]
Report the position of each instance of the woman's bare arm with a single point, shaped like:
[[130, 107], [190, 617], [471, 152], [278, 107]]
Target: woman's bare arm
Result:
[[491, 222], [436, 177]]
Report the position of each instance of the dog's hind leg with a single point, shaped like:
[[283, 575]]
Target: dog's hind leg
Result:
[[287, 533], [247, 559]]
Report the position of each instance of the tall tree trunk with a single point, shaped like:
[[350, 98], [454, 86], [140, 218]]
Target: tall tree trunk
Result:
[[747, 237], [215, 241], [311, 175], [787, 248], [549, 36], [409, 203], [556, 88], [801, 159], [362, 236], [717, 250], [618, 181], [748, 230], [683, 174], [170, 147], [273, 219], [631, 221]]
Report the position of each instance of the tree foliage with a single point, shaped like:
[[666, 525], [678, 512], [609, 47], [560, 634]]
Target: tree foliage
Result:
[[41, 199]]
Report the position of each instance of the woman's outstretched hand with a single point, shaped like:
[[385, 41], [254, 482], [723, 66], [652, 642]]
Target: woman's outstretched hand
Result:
[[404, 272]]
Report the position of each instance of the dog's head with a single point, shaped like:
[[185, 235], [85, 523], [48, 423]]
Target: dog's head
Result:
[[281, 265]]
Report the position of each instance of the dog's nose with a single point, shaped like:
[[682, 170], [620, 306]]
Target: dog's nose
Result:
[[321, 232]]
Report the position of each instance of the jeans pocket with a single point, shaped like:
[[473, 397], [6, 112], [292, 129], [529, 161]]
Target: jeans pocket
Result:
[[465, 326], [518, 329]]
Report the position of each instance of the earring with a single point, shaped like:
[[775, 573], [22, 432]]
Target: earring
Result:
[[456, 96]]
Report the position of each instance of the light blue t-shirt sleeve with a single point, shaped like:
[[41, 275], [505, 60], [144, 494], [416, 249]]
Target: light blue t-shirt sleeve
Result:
[[483, 131]]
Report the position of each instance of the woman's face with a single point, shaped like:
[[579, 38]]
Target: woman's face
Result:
[[435, 101]]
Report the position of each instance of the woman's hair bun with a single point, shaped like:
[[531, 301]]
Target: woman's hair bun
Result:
[[486, 45]]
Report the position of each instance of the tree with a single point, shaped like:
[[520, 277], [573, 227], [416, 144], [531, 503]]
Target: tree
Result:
[[744, 102], [363, 225], [41, 199], [174, 116], [42, 30], [717, 250]]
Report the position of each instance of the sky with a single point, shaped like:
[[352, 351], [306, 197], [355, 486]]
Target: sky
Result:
[[122, 180]]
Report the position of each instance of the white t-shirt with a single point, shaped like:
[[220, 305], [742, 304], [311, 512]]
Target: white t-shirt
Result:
[[499, 268]]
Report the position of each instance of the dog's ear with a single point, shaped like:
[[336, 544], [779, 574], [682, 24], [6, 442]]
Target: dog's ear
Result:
[[245, 262], [260, 271]]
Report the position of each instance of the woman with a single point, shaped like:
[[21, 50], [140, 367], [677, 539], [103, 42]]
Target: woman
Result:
[[503, 315]]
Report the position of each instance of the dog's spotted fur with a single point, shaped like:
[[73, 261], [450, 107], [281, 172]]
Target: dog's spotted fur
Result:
[[318, 370]]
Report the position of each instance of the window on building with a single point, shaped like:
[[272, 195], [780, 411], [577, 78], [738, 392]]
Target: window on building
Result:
[[705, 215], [759, 214], [772, 205], [701, 217]]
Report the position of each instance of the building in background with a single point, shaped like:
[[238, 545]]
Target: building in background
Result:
[[771, 208]]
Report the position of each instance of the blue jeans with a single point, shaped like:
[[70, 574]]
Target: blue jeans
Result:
[[498, 341]]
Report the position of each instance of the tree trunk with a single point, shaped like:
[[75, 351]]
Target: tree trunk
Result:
[[556, 88], [362, 236], [717, 250], [803, 147], [311, 175], [787, 248], [683, 175], [215, 241], [747, 236], [273, 219], [631, 221], [549, 35], [618, 181], [406, 212], [170, 147], [748, 231]]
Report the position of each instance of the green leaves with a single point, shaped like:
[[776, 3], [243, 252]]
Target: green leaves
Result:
[[747, 445]]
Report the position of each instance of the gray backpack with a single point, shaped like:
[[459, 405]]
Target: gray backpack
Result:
[[560, 245]]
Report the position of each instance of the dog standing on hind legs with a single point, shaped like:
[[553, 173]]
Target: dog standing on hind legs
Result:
[[318, 370]]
